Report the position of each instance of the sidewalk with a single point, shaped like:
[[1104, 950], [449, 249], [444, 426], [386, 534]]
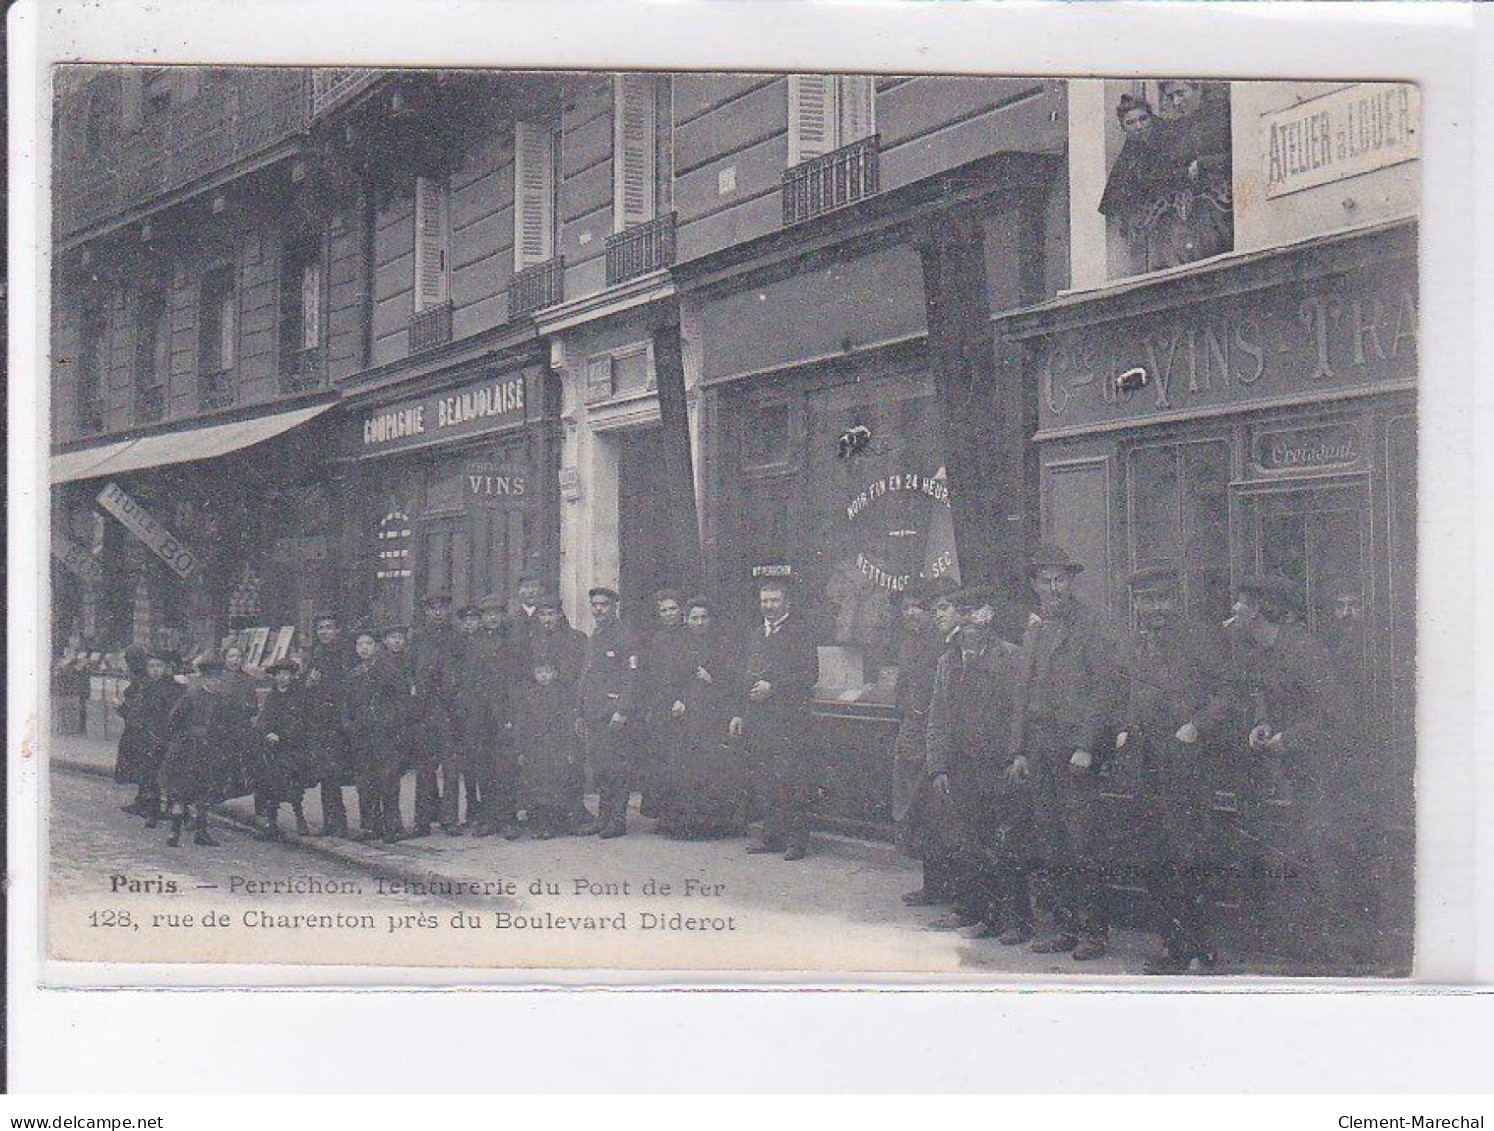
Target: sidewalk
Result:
[[846, 890]]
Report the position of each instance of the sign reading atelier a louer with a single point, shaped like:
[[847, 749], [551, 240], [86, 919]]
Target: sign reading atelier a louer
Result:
[[1341, 134], [448, 415], [143, 525]]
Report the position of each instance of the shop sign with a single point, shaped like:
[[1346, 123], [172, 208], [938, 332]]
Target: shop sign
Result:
[[77, 559], [1301, 449], [1282, 343], [144, 526], [932, 545], [483, 407], [1342, 134], [500, 486]]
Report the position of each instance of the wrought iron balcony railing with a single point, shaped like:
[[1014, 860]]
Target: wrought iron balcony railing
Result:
[[430, 327], [303, 370], [215, 390], [235, 118], [535, 287], [640, 249], [333, 86], [150, 403], [831, 181]]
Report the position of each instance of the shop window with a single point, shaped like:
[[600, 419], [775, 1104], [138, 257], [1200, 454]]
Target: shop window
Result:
[[1178, 508], [1169, 194], [152, 356], [92, 363], [768, 443], [1316, 538], [534, 194]]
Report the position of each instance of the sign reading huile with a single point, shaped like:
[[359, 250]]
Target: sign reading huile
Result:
[[1345, 133], [144, 525]]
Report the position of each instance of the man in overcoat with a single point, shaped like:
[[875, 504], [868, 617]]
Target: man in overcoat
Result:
[[1174, 732], [665, 667], [495, 655], [609, 696], [1063, 722], [772, 716], [465, 763], [326, 684], [432, 650]]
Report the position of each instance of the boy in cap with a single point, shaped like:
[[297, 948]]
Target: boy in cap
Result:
[[544, 722]]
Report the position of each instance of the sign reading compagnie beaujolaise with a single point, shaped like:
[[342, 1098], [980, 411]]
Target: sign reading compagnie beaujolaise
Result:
[[143, 525], [1351, 131], [445, 416]]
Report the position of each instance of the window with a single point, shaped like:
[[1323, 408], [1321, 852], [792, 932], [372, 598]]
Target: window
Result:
[[92, 362], [152, 355], [1179, 516], [534, 194], [827, 112], [301, 313], [432, 243], [217, 326], [635, 149]]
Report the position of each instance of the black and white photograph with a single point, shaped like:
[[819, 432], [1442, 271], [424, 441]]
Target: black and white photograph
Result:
[[740, 523]]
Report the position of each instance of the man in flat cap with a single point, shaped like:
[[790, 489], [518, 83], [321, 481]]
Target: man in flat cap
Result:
[[1170, 741], [666, 671], [494, 659], [431, 649], [285, 769], [1063, 720], [610, 696], [920, 644], [772, 717], [544, 718], [1307, 719], [465, 767], [326, 683], [969, 723]]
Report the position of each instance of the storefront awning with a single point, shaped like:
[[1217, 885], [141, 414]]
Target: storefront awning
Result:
[[183, 446]]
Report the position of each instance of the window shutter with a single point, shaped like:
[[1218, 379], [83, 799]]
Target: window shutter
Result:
[[813, 117], [311, 304], [858, 108], [430, 243], [534, 194], [226, 310], [162, 358], [635, 138]]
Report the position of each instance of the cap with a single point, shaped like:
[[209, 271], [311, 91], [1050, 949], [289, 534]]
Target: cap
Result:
[[440, 598], [547, 601], [603, 591], [366, 630], [529, 577], [285, 665], [468, 611], [1153, 577], [668, 594], [700, 601], [210, 666], [1048, 556], [491, 601], [972, 597], [395, 630], [167, 656], [325, 614]]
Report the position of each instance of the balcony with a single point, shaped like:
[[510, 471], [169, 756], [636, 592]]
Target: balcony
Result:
[[535, 287], [640, 249], [430, 328], [236, 118], [215, 390], [303, 370], [332, 87], [150, 403], [834, 180]]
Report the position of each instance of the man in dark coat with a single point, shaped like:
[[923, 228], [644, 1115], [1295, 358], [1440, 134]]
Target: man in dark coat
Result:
[[921, 641], [207, 728], [1173, 732], [496, 654], [127, 756], [150, 712], [372, 704], [544, 717], [664, 669], [326, 685], [1063, 720], [781, 666], [466, 760], [969, 723], [1305, 717], [432, 649], [285, 770], [609, 696]]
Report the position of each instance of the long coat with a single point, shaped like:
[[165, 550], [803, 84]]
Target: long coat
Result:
[[705, 777], [478, 684], [147, 712], [286, 765], [544, 718], [667, 672], [969, 721], [210, 738], [917, 661], [432, 653], [776, 729], [610, 684], [384, 713], [328, 669]]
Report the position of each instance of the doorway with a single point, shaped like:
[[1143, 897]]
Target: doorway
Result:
[[644, 558]]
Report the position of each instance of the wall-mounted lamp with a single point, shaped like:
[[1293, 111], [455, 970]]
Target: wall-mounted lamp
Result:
[[1132, 380], [853, 440]]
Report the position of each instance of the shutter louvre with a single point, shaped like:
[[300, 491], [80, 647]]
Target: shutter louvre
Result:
[[430, 243], [858, 108], [813, 117], [226, 327], [534, 194], [311, 303], [635, 143]]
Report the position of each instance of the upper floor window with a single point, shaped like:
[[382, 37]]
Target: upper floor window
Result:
[[217, 325], [432, 243], [92, 363], [301, 313], [827, 112], [152, 354], [534, 194], [1169, 192], [635, 149]]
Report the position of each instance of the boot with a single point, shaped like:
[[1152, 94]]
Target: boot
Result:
[[175, 839], [153, 818], [200, 833], [302, 828]]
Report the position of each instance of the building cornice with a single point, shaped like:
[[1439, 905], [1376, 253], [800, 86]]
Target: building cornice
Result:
[[510, 346], [617, 299]]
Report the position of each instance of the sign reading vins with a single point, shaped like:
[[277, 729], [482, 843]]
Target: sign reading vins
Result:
[[499, 486]]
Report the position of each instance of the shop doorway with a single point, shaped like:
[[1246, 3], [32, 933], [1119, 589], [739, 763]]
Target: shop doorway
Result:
[[645, 561]]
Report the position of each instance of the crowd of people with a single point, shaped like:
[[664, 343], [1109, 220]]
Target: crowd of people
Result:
[[997, 770]]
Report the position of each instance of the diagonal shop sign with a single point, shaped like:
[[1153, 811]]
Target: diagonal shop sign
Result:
[[143, 525]]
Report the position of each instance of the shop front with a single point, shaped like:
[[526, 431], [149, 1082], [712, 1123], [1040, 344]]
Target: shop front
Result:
[[450, 491], [1255, 414]]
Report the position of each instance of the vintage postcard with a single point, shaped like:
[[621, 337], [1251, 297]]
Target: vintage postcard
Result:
[[766, 524]]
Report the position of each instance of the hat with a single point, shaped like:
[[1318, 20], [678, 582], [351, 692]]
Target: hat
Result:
[[491, 601], [325, 614], [468, 611], [529, 577], [547, 601], [440, 598], [700, 601], [603, 591], [285, 665], [210, 666], [392, 629], [972, 597], [667, 594], [1129, 102], [1270, 587], [1048, 556], [1153, 577]]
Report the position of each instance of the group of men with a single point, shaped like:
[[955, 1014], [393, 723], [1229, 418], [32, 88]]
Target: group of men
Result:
[[498, 717], [1004, 750]]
